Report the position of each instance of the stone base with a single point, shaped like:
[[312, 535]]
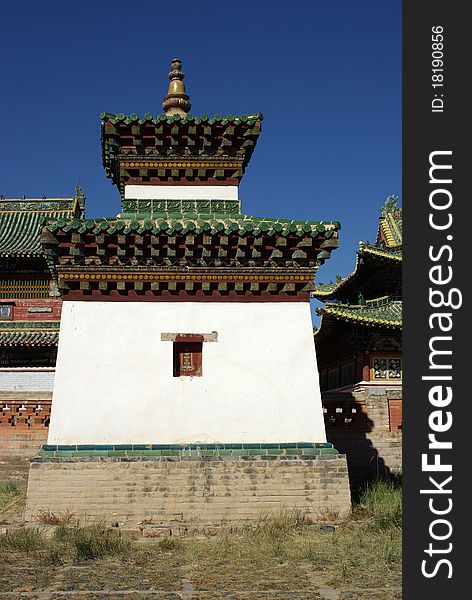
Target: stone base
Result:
[[193, 492]]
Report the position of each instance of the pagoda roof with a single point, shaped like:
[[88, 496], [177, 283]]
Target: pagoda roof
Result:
[[368, 253], [189, 256], [381, 312], [174, 148], [22, 219], [28, 333], [369, 274]]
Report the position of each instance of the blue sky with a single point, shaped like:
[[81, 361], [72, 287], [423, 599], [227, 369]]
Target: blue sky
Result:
[[326, 76]]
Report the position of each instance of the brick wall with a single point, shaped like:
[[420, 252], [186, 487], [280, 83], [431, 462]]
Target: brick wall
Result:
[[14, 468], [358, 423], [24, 420], [21, 312], [180, 492]]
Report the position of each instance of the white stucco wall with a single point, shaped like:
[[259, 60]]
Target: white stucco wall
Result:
[[181, 192], [114, 377]]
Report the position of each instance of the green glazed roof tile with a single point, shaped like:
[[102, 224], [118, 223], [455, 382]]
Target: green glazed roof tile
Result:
[[215, 223], [27, 333], [21, 221], [201, 140], [162, 118], [385, 312], [29, 338], [331, 290]]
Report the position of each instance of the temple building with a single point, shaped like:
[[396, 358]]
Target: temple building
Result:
[[30, 309], [359, 349], [186, 387]]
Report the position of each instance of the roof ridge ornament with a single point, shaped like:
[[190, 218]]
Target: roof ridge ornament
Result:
[[80, 199], [176, 102], [390, 206]]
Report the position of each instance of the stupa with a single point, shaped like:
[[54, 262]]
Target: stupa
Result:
[[186, 386]]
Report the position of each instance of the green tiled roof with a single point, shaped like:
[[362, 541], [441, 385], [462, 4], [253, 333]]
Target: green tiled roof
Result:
[[21, 221], [29, 338], [385, 312], [387, 249], [28, 333], [19, 233], [330, 290], [189, 119], [394, 254], [323, 289], [211, 224], [177, 148]]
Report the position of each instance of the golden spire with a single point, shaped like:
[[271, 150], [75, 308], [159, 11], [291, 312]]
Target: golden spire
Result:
[[176, 102]]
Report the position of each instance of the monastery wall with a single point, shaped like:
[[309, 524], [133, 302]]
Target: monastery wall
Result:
[[34, 309], [259, 380], [24, 419], [365, 425], [183, 492]]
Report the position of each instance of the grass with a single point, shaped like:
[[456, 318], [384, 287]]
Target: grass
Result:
[[76, 543], [8, 492], [12, 499], [23, 540], [279, 523], [368, 548], [281, 552], [363, 552], [95, 542], [382, 502], [48, 517], [86, 543]]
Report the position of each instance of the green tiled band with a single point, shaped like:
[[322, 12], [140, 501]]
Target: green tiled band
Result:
[[190, 208], [123, 450]]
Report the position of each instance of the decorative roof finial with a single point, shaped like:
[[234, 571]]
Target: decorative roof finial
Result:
[[176, 102], [80, 198], [390, 206]]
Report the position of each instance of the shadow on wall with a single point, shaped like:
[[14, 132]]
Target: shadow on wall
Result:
[[372, 450]]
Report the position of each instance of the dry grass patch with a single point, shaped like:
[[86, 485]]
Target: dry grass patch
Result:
[[8, 490], [25, 540], [86, 543], [47, 517], [367, 550], [363, 552], [282, 554], [12, 499]]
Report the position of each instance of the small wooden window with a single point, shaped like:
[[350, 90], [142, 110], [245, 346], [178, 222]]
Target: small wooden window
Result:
[[386, 367], [188, 359]]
